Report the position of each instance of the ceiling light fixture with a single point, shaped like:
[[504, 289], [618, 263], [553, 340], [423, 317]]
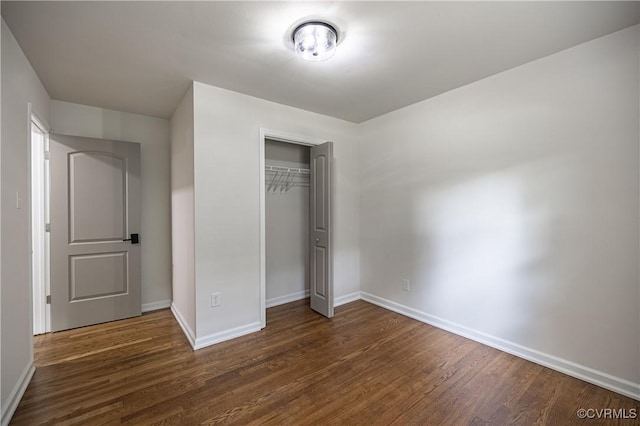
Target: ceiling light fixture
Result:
[[315, 40]]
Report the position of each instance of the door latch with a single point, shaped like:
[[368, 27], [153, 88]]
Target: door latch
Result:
[[135, 239]]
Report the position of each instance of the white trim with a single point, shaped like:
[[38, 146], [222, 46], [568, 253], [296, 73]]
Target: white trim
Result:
[[17, 393], [287, 298], [154, 306], [347, 298], [184, 325], [599, 378], [38, 238], [222, 336], [38, 216], [47, 235], [263, 233], [277, 135], [37, 120], [280, 136]]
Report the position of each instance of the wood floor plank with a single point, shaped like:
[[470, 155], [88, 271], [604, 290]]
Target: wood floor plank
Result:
[[367, 366]]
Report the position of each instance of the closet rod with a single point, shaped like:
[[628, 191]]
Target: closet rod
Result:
[[284, 178], [286, 169]]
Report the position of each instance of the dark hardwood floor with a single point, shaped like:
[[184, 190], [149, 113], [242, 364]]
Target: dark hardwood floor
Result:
[[365, 366]]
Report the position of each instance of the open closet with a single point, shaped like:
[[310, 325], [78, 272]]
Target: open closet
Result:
[[296, 242], [287, 222]]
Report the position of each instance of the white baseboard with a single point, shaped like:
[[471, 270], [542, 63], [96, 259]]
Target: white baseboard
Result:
[[221, 336], [287, 298], [599, 378], [347, 298], [16, 394], [190, 335], [154, 306], [292, 297]]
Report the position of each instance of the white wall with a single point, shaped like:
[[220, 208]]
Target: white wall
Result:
[[20, 85], [227, 182], [182, 205], [511, 205], [153, 135], [287, 228]]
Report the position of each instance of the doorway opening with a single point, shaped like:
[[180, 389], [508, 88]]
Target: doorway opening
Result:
[[291, 264], [40, 252], [287, 222]]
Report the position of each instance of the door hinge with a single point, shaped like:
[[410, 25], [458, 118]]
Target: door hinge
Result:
[[48, 299], [46, 155], [47, 227]]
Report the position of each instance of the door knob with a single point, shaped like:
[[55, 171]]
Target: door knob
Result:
[[135, 239], [317, 240]]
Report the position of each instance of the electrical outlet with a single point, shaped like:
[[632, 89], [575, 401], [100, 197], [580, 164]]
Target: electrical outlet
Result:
[[405, 285], [215, 299]]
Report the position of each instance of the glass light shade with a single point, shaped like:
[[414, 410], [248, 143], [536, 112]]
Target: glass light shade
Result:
[[315, 41]]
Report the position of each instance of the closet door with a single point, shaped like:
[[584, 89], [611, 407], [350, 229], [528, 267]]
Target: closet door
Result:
[[321, 251]]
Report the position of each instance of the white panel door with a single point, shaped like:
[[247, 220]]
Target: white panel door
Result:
[[95, 225], [321, 253]]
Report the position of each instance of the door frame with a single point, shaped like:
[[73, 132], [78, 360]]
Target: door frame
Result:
[[38, 237], [279, 136]]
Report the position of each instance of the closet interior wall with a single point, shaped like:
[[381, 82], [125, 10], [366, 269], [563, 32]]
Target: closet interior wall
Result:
[[287, 227]]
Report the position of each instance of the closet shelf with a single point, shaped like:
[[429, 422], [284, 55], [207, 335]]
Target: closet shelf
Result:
[[285, 178]]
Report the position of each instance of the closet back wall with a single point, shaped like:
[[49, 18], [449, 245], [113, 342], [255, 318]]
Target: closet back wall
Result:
[[287, 228]]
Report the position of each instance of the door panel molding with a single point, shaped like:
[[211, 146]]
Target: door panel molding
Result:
[[102, 280], [88, 229]]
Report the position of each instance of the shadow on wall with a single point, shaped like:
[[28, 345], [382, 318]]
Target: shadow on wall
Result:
[[529, 253], [482, 242]]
